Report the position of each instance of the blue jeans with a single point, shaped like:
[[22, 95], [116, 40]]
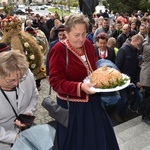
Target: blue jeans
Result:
[[137, 98], [125, 96], [123, 102]]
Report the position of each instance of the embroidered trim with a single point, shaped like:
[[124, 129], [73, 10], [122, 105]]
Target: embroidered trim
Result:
[[79, 89], [86, 63], [73, 99]]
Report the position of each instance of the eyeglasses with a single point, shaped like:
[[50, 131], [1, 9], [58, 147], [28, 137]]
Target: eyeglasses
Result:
[[16, 80]]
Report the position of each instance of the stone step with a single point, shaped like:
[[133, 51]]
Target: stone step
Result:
[[121, 127], [140, 142], [146, 148], [133, 135]]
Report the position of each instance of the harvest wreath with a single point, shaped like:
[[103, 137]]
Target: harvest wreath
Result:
[[25, 43]]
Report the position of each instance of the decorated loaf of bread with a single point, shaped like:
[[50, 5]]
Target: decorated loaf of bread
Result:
[[106, 77]]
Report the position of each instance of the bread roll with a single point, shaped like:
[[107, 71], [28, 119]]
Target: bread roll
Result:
[[106, 77]]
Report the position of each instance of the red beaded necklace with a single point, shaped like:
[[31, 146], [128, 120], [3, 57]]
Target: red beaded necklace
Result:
[[79, 52]]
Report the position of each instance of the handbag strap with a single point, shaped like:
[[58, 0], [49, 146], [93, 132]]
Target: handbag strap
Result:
[[8, 101], [67, 61]]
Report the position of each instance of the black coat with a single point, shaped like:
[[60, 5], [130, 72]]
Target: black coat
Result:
[[128, 63], [116, 33], [121, 39], [43, 27], [50, 24]]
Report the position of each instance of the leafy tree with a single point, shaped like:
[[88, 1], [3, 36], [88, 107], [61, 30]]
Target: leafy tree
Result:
[[128, 6], [144, 5]]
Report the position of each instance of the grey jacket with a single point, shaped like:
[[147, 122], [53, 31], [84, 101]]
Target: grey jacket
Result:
[[145, 67], [100, 30], [27, 101]]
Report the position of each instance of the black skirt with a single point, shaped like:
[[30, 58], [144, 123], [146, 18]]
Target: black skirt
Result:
[[89, 128]]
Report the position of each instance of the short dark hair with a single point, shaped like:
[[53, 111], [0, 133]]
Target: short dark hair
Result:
[[102, 36], [106, 19]]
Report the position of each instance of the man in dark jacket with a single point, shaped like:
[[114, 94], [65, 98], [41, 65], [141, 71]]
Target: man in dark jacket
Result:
[[117, 30], [123, 36], [50, 22], [43, 27], [128, 63]]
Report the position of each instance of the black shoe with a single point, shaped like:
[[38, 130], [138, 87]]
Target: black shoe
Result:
[[138, 111], [132, 110], [146, 120], [125, 118]]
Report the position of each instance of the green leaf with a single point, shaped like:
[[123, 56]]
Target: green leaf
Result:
[[114, 84]]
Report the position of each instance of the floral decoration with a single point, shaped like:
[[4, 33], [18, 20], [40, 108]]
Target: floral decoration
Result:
[[26, 43], [29, 54], [10, 22]]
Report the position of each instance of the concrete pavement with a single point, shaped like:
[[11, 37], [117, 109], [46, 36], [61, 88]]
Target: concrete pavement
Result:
[[41, 113]]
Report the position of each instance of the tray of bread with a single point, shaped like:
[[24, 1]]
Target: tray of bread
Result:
[[107, 79]]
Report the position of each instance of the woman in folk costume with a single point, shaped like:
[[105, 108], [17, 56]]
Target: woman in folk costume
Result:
[[89, 125]]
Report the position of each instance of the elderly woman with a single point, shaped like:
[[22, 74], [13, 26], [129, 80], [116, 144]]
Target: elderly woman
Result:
[[89, 125], [102, 50], [18, 94]]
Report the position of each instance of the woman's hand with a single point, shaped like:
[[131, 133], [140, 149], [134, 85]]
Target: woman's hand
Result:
[[19, 124], [86, 88]]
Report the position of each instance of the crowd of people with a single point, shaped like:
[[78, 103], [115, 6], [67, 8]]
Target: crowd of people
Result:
[[123, 40], [125, 36]]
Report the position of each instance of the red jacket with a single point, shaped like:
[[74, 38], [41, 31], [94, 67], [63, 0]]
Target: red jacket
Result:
[[66, 81]]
